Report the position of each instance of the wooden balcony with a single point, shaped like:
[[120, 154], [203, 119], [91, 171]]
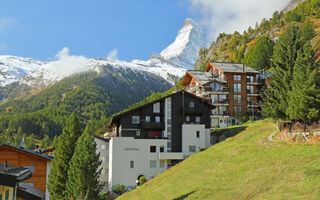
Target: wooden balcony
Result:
[[209, 91], [257, 82], [152, 125]]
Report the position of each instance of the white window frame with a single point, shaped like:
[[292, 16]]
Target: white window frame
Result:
[[135, 119], [147, 118], [237, 87], [156, 107], [237, 77]]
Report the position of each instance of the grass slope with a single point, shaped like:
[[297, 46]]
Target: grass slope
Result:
[[246, 166]]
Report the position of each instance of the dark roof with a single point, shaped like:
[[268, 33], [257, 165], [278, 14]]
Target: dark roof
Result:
[[101, 138], [162, 98], [28, 192], [234, 68], [41, 155], [10, 175], [49, 150], [202, 77]]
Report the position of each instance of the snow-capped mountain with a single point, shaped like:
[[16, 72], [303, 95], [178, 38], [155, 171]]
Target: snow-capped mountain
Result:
[[170, 65], [184, 50]]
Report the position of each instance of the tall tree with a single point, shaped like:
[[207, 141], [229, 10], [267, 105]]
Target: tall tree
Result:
[[60, 165], [304, 98], [260, 54], [83, 175], [275, 103]]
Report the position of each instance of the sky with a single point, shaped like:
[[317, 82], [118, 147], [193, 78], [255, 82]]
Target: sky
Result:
[[122, 29]]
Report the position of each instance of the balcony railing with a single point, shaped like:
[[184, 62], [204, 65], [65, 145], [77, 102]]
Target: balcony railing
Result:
[[249, 92], [257, 82], [212, 90], [152, 125], [225, 102], [252, 104], [224, 113]]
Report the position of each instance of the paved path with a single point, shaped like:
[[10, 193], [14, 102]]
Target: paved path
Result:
[[270, 138]]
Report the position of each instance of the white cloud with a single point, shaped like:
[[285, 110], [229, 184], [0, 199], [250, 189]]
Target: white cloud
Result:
[[231, 15], [6, 23], [113, 54], [67, 64]]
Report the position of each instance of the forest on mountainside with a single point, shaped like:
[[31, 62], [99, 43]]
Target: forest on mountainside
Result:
[[239, 48]]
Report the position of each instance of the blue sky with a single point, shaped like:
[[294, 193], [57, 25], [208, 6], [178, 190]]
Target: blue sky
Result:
[[134, 28]]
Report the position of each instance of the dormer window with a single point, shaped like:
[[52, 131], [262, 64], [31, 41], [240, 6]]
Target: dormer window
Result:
[[156, 107]]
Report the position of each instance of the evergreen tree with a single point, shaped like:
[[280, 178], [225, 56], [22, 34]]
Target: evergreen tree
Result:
[[275, 103], [45, 142], [259, 56], [83, 175], [60, 165], [304, 98]]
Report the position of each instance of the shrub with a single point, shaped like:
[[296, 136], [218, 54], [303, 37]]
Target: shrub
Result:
[[142, 180], [118, 189]]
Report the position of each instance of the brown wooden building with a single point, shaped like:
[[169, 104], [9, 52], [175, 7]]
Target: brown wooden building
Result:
[[234, 89], [37, 162]]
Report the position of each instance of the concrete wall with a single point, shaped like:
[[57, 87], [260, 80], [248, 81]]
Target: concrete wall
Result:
[[122, 150], [48, 171]]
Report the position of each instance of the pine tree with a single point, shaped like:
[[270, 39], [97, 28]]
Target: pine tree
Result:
[[259, 56], [83, 175], [304, 98], [275, 104], [60, 165]]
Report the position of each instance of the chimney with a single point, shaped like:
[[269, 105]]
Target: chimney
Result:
[[22, 143], [243, 67], [5, 164]]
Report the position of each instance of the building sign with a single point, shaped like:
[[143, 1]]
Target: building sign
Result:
[[131, 149]]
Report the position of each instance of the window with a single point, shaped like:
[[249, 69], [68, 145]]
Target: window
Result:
[[135, 119], [131, 164], [32, 169], [156, 108], [188, 118], [250, 100], [250, 89], [214, 98], [237, 87], [157, 119], [197, 119], [237, 109], [147, 118], [162, 149], [191, 105], [161, 164], [138, 133], [192, 149], [153, 149], [249, 79], [153, 163], [198, 134], [237, 77], [237, 99]]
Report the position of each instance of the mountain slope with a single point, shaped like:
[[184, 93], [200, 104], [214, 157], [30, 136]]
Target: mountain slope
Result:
[[246, 166], [233, 47]]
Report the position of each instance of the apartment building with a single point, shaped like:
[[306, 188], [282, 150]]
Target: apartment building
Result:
[[234, 89], [149, 139]]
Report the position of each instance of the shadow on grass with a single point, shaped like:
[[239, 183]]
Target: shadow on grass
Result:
[[220, 135], [183, 196]]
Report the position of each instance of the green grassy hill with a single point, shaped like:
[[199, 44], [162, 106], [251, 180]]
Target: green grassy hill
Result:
[[247, 166]]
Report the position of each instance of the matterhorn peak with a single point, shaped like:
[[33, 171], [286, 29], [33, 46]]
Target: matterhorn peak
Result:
[[184, 50]]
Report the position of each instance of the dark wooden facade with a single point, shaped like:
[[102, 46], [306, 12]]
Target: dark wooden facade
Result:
[[180, 108]]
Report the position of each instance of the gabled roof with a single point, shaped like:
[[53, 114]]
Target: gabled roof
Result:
[[134, 109], [28, 192], [202, 77], [27, 151], [10, 175], [233, 68]]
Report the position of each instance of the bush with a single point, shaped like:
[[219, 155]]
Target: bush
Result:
[[106, 196], [142, 180], [118, 189]]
